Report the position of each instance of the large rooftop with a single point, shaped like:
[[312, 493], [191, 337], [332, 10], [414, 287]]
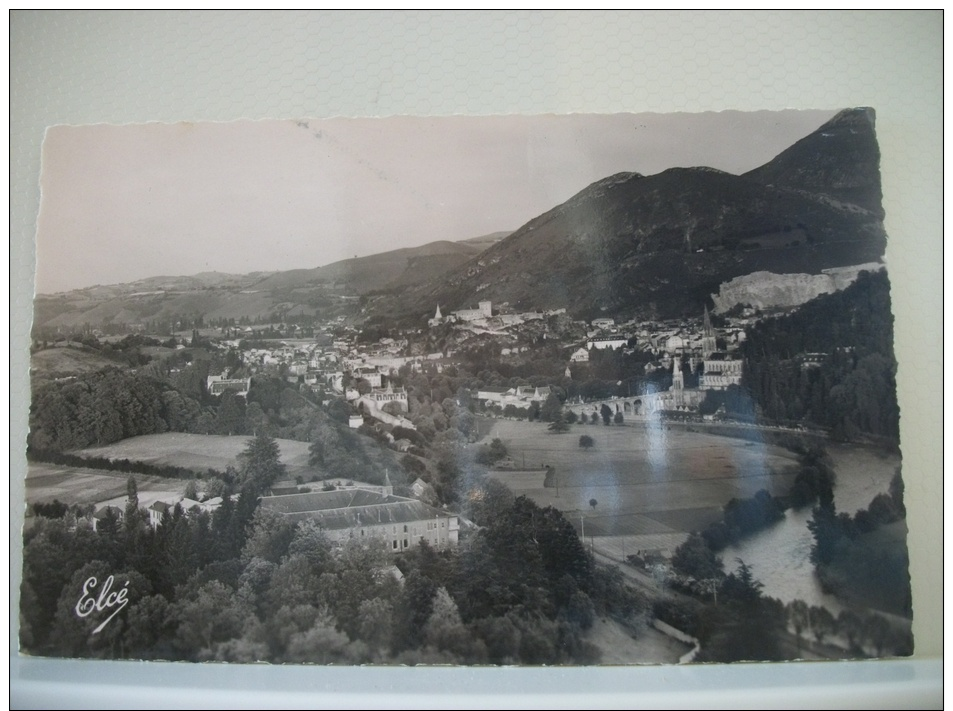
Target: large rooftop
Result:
[[336, 510]]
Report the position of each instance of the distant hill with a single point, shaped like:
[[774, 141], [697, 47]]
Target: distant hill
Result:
[[486, 240], [377, 271], [195, 282], [215, 295], [659, 246]]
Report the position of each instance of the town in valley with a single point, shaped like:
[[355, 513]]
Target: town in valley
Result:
[[667, 434]]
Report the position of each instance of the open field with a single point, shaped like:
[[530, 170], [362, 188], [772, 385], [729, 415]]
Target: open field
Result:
[[652, 484], [78, 485], [62, 362], [198, 452], [649, 497]]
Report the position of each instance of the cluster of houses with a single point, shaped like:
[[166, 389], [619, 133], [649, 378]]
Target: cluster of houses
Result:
[[675, 343], [157, 509], [363, 374], [692, 342]]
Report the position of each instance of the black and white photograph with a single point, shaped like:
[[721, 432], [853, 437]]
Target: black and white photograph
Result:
[[553, 390]]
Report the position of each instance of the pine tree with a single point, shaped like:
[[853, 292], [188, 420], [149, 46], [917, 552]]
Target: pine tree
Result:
[[261, 463], [551, 408], [132, 518]]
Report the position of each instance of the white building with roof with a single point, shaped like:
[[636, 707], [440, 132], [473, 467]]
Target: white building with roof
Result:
[[363, 514], [601, 342], [218, 384], [484, 310], [580, 355]]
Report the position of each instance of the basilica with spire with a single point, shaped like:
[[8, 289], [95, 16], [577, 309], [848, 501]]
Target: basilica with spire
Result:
[[720, 369]]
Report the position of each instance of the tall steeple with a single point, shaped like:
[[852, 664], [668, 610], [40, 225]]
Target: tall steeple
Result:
[[709, 345], [678, 378], [438, 315], [678, 382]]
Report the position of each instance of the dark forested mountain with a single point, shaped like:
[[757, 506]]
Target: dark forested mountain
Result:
[[659, 245], [839, 161]]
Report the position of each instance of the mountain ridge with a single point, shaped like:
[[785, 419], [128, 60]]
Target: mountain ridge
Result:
[[660, 245], [215, 295], [628, 244]]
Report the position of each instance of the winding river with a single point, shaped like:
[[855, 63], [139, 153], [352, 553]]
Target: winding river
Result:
[[780, 556]]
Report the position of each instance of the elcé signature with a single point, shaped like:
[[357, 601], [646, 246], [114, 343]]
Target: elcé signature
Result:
[[89, 602]]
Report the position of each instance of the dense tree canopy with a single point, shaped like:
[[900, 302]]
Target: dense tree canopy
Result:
[[852, 390], [95, 409]]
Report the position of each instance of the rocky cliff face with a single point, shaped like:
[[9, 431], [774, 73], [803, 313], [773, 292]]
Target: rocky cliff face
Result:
[[768, 290]]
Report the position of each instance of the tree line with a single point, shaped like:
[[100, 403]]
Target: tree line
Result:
[[118, 465]]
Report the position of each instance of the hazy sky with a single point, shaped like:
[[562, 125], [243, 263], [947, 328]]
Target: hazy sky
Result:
[[121, 203]]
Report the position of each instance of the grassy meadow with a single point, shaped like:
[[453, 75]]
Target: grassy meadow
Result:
[[652, 484], [197, 451], [79, 485]]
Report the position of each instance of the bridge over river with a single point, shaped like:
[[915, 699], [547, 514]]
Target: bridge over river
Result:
[[658, 408]]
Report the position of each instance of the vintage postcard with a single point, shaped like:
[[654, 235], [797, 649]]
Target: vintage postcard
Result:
[[514, 390]]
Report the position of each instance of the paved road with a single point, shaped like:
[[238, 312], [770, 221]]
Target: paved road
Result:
[[644, 581], [790, 646]]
